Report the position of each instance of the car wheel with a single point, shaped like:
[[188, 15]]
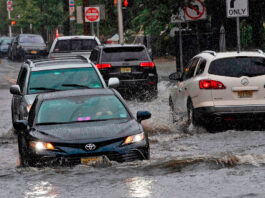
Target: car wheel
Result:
[[192, 117], [172, 113]]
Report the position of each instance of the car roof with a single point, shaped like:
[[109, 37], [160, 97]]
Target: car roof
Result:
[[75, 93], [59, 63], [76, 37], [211, 55], [121, 45]]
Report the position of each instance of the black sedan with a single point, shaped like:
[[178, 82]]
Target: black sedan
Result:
[[81, 127]]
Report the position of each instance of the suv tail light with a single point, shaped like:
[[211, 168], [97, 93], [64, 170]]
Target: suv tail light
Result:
[[103, 66], [147, 64], [211, 84]]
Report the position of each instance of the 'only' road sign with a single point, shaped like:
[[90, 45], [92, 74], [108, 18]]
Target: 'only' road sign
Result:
[[237, 8]]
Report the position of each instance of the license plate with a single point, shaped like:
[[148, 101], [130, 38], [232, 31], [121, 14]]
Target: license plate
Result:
[[33, 52], [126, 69], [91, 160], [245, 94]]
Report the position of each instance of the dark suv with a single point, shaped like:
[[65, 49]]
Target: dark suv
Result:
[[28, 46], [131, 64]]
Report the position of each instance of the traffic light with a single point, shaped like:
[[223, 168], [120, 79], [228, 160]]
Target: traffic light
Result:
[[13, 22], [115, 2], [125, 3]]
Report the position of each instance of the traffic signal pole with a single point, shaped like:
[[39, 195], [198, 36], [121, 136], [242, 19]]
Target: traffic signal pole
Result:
[[10, 29], [120, 22]]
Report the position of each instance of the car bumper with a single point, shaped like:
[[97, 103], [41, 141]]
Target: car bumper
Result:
[[227, 113], [139, 151]]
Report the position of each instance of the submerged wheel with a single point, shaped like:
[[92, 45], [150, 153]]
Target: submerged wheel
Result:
[[173, 115], [192, 117]]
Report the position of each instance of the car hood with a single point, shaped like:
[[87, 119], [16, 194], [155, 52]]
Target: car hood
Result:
[[86, 131], [30, 98], [3, 47]]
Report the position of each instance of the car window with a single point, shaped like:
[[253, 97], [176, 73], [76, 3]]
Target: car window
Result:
[[75, 45], [201, 67], [63, 79], [116, 54], [80, 109], [22, 78], [94, 56], [190, 69], [31, 39], [238, 66]]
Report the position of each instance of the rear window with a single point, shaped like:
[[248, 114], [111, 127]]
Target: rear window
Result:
[[238, 66], [75, 45], [31, 39], [117, 54]]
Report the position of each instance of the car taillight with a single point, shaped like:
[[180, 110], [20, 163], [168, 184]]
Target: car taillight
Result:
[[211, 84], [147, 64], [103, 66]]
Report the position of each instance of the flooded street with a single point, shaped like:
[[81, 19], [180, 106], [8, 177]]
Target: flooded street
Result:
[[185, 162]]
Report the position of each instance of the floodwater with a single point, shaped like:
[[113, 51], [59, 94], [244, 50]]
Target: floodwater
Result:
[[185, 162]]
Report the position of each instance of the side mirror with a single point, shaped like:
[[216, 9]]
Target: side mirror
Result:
[[21, 125], [143, 115], [175, 76], [113, 82], [15, 89]]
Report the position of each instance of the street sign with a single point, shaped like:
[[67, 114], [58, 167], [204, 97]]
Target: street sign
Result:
[[9, 6], [237, 8], [71, 10], [195, 10], [79, 15], [92, 14], [178, 18]]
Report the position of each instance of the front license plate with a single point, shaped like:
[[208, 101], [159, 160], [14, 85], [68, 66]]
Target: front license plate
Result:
[[91, 160], [33, 52], [126, 70], [245, 94]]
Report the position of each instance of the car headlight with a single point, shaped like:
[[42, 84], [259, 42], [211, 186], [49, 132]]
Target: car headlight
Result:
[[134, 138], [29, 107], [39, 146]]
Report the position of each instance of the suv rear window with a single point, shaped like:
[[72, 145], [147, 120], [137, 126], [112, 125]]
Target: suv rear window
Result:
[[31, 39], [238, 66], [117, 54], [75, 45]]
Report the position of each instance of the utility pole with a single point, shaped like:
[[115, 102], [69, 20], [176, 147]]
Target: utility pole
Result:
[[66, 24], [10, 29], [86, 28], [120, 22]]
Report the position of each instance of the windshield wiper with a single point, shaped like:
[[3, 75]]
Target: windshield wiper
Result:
[[44, 88], [76, 85]]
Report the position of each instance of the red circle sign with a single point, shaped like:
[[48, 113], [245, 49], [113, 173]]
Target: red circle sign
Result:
[[92, 14], [200, 13]]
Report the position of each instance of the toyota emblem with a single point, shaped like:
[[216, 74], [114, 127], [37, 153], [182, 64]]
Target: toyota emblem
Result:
[[244, 81], [90, 147]]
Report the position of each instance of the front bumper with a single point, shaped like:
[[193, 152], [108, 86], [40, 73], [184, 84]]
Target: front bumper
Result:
[[227, 113]]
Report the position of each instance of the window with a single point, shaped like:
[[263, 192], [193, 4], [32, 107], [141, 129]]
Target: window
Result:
[[238, 66], [189, 70], [94, 56], [75, 45], [22, 78], [201, 67], [82, 109]]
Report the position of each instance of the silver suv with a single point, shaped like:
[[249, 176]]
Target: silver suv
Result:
[[220, 87], [46, 75]]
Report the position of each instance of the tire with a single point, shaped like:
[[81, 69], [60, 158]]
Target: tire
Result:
[[192, 116]]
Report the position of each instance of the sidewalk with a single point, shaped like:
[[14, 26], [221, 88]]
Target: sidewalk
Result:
[[165, 67]]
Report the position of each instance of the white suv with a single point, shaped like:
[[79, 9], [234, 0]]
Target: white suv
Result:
[[74, 45], [218, 87]]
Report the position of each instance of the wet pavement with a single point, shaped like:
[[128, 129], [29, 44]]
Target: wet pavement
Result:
[[185, 161]]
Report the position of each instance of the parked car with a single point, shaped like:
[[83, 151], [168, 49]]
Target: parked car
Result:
[[75, 45], [28, 46], [220, 87], [81, 127], [131, 64], [4, 44], [46, 75]]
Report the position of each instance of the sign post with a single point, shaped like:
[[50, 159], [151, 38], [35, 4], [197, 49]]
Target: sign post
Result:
[[237, 9], [9, 8]]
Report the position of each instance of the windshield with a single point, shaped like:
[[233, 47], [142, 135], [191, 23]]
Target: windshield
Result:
[[63, 79], [238, 66], [31, 39], [117, 54], [6, 41], [81, 109], [75, 45]]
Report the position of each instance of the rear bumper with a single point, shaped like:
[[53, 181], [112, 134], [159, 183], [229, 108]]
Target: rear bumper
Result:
[[226, 113]]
